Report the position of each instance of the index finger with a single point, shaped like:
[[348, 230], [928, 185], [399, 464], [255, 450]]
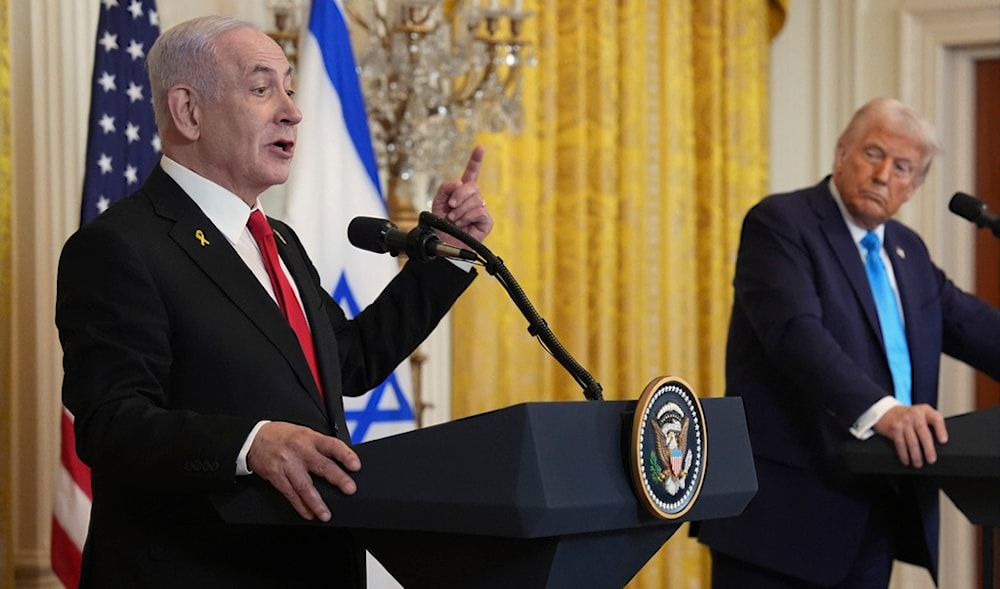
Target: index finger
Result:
[[341, 452], [471, 173]]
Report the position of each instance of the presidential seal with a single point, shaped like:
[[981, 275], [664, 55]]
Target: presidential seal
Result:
[[668, 448]]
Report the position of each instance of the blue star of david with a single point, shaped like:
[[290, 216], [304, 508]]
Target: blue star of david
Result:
[[372, 413]]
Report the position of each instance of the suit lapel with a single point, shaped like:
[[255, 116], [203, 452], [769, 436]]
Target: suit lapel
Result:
[[207, 247], [846, 251], [324, 338], [907, 281]]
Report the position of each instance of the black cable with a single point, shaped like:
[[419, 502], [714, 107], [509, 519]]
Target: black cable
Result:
[[537, 326]]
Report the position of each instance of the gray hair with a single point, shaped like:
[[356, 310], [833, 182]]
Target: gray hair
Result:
[[902, 119], [186, 54]]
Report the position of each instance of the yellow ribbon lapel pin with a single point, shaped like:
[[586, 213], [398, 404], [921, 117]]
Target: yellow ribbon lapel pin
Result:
[[200, 236]]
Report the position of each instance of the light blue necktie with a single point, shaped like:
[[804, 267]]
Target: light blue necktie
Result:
[[893, 334]]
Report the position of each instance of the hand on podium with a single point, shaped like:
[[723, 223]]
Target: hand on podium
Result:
[[284, 454], [913, 431]]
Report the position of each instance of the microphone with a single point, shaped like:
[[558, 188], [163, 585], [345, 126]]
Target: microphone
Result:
[[971, 208], [383, 237]]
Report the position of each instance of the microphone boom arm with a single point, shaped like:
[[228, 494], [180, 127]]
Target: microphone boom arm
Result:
[[537, 326]]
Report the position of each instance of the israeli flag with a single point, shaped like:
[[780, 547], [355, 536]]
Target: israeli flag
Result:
[[334, 178]]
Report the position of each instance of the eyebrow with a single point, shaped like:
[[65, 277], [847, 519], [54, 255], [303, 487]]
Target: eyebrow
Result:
[[264, 69]]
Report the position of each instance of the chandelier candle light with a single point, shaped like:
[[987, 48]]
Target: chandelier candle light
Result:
[[434, 73], [287, 21]]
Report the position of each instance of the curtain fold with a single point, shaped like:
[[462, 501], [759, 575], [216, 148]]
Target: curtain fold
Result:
[[618, 208], [6, 335]]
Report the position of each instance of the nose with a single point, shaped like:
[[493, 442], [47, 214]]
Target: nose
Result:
[[882, 170], [289, 112]]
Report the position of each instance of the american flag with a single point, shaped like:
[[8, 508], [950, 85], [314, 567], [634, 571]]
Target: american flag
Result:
[[122, 148], [122, 144]]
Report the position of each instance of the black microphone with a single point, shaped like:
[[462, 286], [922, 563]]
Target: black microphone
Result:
[[383, 237], [971, 208]]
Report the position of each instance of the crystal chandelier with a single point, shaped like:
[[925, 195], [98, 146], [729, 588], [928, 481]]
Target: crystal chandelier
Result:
[[434, 73], [287, 21]]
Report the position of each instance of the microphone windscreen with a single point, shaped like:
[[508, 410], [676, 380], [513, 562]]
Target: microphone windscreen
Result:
[[966, 206], [368, 233]]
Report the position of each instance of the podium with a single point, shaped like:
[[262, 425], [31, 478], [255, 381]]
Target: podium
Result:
[[967, 470], [533, 495]]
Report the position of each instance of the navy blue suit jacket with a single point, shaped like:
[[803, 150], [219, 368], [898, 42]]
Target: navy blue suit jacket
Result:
[[173, 351], [805, 353]]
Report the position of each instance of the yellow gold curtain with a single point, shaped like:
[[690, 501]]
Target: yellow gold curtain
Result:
[[618, 209], [6, 527]]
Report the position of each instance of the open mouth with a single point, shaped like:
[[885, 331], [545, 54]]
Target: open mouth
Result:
[[285, 146]]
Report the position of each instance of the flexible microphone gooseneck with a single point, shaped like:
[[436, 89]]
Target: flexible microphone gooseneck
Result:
[[537, 326]]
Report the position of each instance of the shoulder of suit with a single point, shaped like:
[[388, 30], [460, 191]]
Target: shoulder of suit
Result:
[[797, 201], [897, 232]]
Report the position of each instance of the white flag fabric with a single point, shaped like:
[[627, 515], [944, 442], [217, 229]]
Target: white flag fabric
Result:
[[333, 179]]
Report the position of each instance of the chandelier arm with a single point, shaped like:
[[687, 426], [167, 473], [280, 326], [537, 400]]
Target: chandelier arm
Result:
[[486, 72], [385, 36], [458, 95], [513, 78], [353, 14]]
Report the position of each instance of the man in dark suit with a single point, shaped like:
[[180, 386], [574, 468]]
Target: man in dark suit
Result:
[[806, 354], [184, 376]]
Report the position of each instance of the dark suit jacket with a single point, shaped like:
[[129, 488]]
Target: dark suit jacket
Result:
[[172, 352], [805, 354]]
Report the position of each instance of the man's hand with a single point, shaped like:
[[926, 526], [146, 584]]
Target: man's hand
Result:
[[461, 204], [913, 431], [285, 454]]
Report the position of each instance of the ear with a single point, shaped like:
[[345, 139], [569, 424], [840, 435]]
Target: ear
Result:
[[184, 111], [838, 155]]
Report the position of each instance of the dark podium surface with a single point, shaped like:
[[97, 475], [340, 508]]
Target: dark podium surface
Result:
[[533, 495], [967, 470]]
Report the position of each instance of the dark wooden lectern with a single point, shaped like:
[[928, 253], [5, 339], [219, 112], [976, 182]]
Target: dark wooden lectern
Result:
[[533, 495], [967, 470]]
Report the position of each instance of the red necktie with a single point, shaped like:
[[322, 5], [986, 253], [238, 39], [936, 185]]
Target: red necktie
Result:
[[287, 301]]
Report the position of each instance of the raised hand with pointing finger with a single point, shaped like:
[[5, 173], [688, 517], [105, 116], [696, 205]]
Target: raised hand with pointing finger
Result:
[[462, 204]]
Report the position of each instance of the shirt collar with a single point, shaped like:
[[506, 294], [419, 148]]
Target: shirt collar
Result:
[[224, 209], [857, 232]]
